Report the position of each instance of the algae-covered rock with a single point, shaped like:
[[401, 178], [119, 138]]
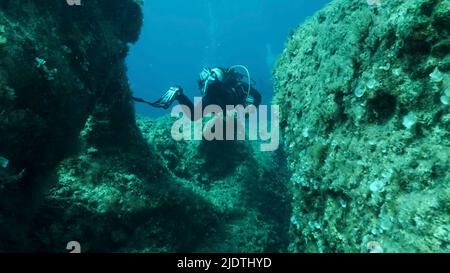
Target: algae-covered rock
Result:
[[359, 88], [59, 64], [201, 199]]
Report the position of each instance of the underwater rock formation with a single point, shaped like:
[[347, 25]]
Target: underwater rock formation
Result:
[[114, 202], [361, 89], [74, 165], [245, 188]]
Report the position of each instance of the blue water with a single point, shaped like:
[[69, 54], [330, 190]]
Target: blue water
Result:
[[180, 37]]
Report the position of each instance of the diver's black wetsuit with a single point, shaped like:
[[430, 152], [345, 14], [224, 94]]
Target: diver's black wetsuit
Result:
[[219, 87], [221, 94]]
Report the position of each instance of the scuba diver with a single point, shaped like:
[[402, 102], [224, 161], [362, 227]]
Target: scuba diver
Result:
[[218, 86]]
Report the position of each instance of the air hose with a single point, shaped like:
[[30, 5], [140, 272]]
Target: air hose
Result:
[[248, 76]]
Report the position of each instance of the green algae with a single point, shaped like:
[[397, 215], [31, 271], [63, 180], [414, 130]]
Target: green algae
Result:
[[362, 176]]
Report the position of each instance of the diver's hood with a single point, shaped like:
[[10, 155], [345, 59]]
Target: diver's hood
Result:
[[210, 76], [218, 73]]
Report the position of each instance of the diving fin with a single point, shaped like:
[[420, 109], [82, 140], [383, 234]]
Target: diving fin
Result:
[[166, 100]]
